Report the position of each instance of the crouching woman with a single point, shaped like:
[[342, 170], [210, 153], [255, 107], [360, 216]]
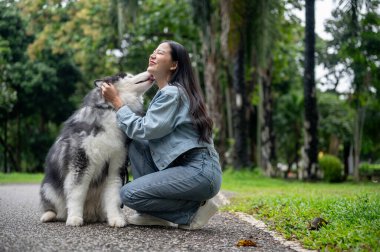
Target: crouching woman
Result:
[[175, 167]]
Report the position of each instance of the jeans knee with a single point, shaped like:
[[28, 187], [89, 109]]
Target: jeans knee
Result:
[[126, 195], [129, 197]]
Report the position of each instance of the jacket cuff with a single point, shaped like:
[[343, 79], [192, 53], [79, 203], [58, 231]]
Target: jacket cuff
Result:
[[123, 112]]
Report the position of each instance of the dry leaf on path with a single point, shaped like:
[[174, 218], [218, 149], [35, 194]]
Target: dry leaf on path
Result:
[[246, 243]]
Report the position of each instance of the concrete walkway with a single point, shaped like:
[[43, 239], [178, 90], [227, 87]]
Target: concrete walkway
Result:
[[21, 230]]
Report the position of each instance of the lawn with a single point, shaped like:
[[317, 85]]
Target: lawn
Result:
[[352, 211], [15, 178]]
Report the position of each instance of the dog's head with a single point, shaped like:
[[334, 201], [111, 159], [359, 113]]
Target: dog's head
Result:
[[131, 89], [127, 83]]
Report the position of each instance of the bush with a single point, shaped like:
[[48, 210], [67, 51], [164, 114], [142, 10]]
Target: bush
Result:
[[369, 170], [332, 168]]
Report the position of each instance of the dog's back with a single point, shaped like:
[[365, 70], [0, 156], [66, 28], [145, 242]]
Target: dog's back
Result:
[[83, 166]]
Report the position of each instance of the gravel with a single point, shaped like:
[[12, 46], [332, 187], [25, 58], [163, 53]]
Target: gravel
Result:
[[21, 230]]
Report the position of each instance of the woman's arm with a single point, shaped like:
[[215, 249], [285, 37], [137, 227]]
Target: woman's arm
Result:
[[160, 119]]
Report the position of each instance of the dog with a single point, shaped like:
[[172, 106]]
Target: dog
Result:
[[83, 167]]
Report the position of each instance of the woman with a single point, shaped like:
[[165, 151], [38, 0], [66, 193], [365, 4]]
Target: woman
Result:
[[174, 164]]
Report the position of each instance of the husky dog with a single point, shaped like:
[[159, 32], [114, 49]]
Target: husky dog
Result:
[[83, 167]]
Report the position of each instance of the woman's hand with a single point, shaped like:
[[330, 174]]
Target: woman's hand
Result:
[[111, 95]]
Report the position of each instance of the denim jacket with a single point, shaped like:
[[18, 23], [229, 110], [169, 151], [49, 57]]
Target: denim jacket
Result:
[[167, 126]]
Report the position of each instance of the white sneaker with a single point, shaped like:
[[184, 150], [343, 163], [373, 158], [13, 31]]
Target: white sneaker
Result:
[[202, 216], [141, 219]]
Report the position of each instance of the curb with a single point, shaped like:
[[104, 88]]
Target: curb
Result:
[[223, 200]]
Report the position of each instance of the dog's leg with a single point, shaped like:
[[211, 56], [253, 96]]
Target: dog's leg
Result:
[[48, 216], [76, 193], [111, 198], [53, 204]]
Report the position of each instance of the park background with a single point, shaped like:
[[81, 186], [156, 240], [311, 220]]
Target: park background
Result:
[[286, 103]]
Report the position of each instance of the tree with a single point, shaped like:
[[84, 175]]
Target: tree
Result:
[[288, 126], [336, 126], [158, 21], [288, 102], [126, 14], [206, 17], [13, 42], [354, 51], [42, 87], [310, 158], [82, 30], [235, 17], [249, 39], [268, 22]]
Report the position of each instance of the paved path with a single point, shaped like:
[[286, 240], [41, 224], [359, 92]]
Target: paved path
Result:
[[21, 230]]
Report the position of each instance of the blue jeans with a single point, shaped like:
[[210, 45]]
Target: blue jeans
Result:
[[175, 193]]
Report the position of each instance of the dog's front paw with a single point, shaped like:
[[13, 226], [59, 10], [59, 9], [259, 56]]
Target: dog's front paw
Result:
[[117, 222], [74, 221]]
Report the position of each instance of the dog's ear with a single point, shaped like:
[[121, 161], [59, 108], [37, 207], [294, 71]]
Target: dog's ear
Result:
[[98, 83]]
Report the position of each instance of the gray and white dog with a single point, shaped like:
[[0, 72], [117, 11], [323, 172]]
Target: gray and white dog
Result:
[[82, 170]]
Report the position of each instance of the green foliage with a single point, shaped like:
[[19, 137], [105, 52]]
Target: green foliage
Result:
[[288, 120], [287, 88], [81, 30], [38, 91], [15, 177], [158, 21], [332, 168], [13, 41], [336, 118], [354, 51], [371, 136], [367, 169], [351, 210]]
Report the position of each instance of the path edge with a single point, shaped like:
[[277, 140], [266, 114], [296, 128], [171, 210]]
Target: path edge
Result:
[[222, 200]]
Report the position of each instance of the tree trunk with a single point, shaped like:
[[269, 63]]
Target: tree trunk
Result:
[[120, 21], [214, 97], [310, 161], [346, 155], [213, 92], [240, 123], [6, 142], [206, 17], [358, 133], [19, 144], [267, 133], [8, 151], [334, 145], [225, 7]]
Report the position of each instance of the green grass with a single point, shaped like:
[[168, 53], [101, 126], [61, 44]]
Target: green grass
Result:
[[351, 210], [14, 177]]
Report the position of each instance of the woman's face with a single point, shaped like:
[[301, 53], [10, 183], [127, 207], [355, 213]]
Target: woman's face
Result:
[[161, 64]]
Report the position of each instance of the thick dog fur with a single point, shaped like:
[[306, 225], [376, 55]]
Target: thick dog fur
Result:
[[82, 170]]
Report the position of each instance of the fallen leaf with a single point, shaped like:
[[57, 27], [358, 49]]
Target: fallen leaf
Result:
[[246, 243]]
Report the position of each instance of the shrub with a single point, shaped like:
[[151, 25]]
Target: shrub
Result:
[[369, 170], [332, 168]]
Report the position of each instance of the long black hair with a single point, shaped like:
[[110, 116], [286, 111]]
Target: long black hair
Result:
[[184, 76]]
